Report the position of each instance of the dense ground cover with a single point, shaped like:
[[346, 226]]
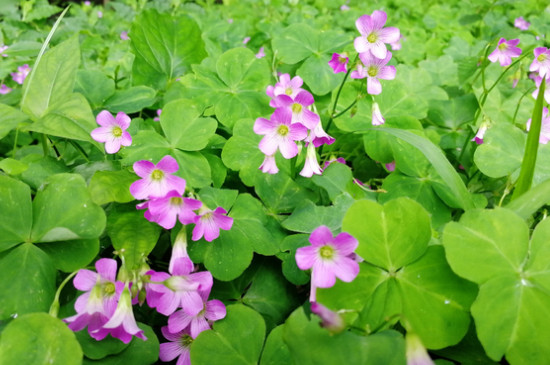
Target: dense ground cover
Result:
[[279, 182]]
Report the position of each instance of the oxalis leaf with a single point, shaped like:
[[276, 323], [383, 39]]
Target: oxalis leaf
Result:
[[439, 162], [512, 315]]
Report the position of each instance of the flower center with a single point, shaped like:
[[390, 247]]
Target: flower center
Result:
[[541, 57], [342, 60], [296, 108], [157, 175], [326, 252], [503, 47], [288, 91], [372, 38], [176, 201], [282, 130], [372, 71], [117, 131], [186, 340], [109, 288]]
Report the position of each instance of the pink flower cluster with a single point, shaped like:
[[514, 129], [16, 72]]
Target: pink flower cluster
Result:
[[292, 121], [166, 202], [18, 77]]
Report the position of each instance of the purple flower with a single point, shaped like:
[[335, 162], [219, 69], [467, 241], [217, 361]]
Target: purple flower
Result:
[[318, 136], [541, 63], [330, 320], [112, 131], [209, 224], [99, 14], [2, 49], [344, 7], [327, 257], [285, 86], [390, 166], [5, 90], [535, 93], [212, 311], [311, 165], [377, 118], [373, 35], [261, 53], [122, 324], [298, 106], [98, 304], [246, 40], [166, 210], [416, 352], [521, 23], [157, 118], [157, 180], [269, 165], [478, 138], [179, 251], [87, 3], [374, 69], [177, 347], [332, 160], [124, 35], [280, 133], [338, 63], [505, 51], [545, 127], [21, 74]]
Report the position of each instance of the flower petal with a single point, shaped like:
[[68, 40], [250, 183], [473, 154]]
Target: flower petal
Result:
[[389, 35], [386, 73], [373, 86], [123, 120], [105, 119], [306, 257], [346, 269], [143, 168], [378, 19], [168, 164], [106, 268], [321, 236], [264, 126], [364, 25]]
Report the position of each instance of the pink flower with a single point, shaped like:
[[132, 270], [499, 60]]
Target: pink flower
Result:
[[210, 222], [98, 304], [2, 49], [327, 257], [318, 136], [298, 106], [535, 93], [280, 133], [311, 165], [21, 74], [373, 35], [157, 118], [333, 160], [545, 127], [344, 7], [416, 352], [112, 131], [246, 40], [338, 63], [541, 63], [285, 86], [330, 320], [124, 35], [396, 46], [177, 347], [261, 53], [521, 23], [390, 166], [269, 165], [505, 51], [212, 311], [157, 180], [5, 90], [165, 211], [87, 3], [478, 138], [122, 324], [377, 118], [374, 69], [99, 14]]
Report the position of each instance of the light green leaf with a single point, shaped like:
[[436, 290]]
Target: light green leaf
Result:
[[308, 216], [194, 168], [131, 100], [9, 119], [111, 186], [95, 86], [275, 351], [40, 339], [527, 204], [295, 43], [16, 212], [320, 78], [280, 193], [69, 256], [334, 180], [94, 349]]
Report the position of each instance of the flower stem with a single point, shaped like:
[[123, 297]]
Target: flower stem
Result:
[[54, 308]]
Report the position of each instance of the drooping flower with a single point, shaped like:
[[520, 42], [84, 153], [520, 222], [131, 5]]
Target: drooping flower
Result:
[[416, 352], [269, 165], [285, 86], [157, 180], [261, 53], [98, 303], [280, 133], [5, 90], [179, 251], [339, 62], [311, 165], [298, 106], [122, 324], [544, 137], [112, 131], [377, 118], [177, 347], [210, 222], [478, 138], [330, 320], [328, 258], [373, 69], [21, 74], [541, 63], [213, 310], [318, 136], [521, 23], [157, 118], [166, 210], [505, 51], [124, 35], [374, 35]]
